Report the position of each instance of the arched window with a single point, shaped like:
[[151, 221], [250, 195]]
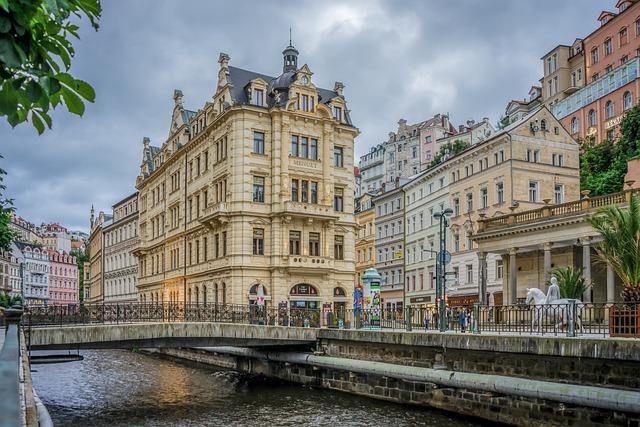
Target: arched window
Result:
[[303, 289], [627, 101], [575, 123], [339, 292], [610, 110], [543, 125], [593, 119]]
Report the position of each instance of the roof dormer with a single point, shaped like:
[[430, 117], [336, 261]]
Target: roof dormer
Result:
[[605, 17]]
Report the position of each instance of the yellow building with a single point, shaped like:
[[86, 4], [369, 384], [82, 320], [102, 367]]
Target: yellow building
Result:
[[366, 240], [94, 283], [253, 192], [530, 164]]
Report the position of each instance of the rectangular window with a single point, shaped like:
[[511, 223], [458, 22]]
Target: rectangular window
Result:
[[314, 244], [304, 191], [469, 273], [205, 247], [258, 241], [224, 243], [258, 95], [294, 146], [258, 189], [294, 190], [456, 207], [304, 147], [258, 142], [305, 102], [294, 243], [500, 192], [337, 113], [558, 194], [217, 246], [314, 192], [456, 242], [338, 247], [469, 202], [499, 269], [533, 191], [338, 199], [313, 149], [484, 202], [338, 159]]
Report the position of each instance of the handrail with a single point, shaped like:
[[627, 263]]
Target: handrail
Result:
[[548, 211], [10, 408]]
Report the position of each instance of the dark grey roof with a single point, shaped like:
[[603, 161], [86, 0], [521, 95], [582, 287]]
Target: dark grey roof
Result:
[[239, 79], [149, 155]]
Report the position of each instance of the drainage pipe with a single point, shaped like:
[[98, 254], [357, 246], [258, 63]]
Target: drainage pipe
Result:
[[581, 395]]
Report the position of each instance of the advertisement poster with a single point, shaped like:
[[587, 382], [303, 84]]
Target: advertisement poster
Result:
[[375, 304]]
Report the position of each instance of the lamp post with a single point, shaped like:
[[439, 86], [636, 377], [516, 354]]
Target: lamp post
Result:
[[441, 261]]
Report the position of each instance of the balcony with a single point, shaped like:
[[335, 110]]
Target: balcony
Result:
[[571, 89], [215, 214], [310, 210]]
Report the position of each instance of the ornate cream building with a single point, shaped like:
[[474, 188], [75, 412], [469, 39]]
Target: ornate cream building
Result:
[[253, 190], [94, 283], [120, 241]]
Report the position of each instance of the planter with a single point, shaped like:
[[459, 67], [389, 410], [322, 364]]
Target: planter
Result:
[[624, 321]]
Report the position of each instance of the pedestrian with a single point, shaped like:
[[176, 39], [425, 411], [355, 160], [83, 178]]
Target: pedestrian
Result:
[[463, 320], [427, 317]]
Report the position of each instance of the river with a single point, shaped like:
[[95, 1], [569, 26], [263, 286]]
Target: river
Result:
[[122, 388]]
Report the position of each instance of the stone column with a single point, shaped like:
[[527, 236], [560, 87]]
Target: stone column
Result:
[[547, 262], [513, 276], [482, 271], [611, 282], [586, 264]]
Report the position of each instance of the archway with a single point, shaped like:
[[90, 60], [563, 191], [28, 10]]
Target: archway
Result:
[[339, 299], [304, 295], [258, 294]]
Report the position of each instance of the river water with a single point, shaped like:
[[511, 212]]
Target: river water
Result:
[[122, 388]]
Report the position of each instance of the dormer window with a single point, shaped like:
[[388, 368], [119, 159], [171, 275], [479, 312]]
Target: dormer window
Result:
[[337, 113], [258, 97]]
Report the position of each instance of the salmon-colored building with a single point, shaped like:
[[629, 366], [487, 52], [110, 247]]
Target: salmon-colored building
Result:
[[64, 284], [589, 84]]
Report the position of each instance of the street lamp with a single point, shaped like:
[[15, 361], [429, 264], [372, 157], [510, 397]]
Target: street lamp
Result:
[[442, 260]]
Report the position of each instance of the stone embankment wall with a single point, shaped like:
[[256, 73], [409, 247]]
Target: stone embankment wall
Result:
[[524, 381]]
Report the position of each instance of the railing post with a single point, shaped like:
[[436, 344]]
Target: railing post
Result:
[[571, 318], [407, 318], [475, 324]]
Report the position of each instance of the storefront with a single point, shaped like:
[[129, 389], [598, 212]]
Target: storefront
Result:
[[462, 300], [304, 296], [339, 299]]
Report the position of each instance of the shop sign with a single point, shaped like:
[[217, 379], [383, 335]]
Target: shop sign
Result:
[[613, 122]]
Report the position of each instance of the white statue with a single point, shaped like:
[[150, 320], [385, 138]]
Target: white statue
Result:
[[553, 307]]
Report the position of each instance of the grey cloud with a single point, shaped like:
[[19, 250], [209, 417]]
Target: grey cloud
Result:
[[407, 59]]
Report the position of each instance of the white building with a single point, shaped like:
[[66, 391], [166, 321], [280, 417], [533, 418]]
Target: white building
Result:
[[35, 273], [372, 170]]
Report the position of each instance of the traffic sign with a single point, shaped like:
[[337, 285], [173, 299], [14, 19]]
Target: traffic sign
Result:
[[445, 257], [397, 254]]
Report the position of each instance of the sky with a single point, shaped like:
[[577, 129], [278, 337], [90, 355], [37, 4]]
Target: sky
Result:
[[404, 59]]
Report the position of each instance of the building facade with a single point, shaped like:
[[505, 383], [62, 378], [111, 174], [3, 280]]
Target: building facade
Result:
[[372, 170], [472, 133], [64, 281], [55, 237], [518, 109], [389, 243], [366, 239], [253, 192], [94, 286], [529, 164], [35, 274], [9, 269], [120, 241]]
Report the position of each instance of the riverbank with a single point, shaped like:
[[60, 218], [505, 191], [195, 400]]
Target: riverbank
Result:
[[500, 399]]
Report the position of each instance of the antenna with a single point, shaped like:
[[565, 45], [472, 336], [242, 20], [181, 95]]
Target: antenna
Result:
[[290, 37]]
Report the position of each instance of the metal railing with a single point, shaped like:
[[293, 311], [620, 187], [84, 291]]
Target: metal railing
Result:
[[620, 319], [10, 406]]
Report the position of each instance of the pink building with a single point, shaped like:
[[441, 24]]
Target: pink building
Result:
[[64, 282]]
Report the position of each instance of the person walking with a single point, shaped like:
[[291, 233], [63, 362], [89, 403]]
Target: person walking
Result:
[[463, 320], [427, 318]]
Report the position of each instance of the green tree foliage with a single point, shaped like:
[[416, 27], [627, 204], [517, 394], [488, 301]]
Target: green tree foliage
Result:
[[35, 57], [7, 235], [81, 258], [452, 148], [620, 247], [604, 165], [571, 282]]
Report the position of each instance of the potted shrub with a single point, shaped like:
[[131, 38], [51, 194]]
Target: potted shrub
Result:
[[620, 248]]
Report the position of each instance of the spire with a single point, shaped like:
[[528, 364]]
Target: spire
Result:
[[290, 57], [91, 218]]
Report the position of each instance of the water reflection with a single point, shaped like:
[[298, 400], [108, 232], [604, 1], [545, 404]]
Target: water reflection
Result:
[[121, 388]]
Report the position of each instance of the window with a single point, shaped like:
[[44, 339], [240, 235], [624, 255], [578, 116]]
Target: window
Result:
[[314, 244], [304, 191], [414, 152], [594, 56], [608, 69], [304, 147], [499, 269], [258, 189], [543, 125], [338, 247], [627, 102], [575, 123], [558, 193], [456, 206], [557, 159], [624, 37], [427, 139], [258, 97], [258, 241], [469, 202], [638, 27], [294, 243], [624, 59], [338, 159], [611, 135], [469, 273], [294, 146], [593, 118], [338, 199], [533, 191], [337, 113], [313, 149], [610, 110], [483, 198], [258, 142], [314, 192], [294, 190], [608, 47]]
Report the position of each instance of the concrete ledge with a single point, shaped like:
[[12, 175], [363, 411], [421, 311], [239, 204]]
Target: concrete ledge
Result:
[[597, 348], [162, 335]]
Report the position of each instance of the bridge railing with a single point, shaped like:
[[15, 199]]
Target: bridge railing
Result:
[[620, 319]]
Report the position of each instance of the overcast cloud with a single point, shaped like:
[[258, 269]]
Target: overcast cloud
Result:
[[400, 59]]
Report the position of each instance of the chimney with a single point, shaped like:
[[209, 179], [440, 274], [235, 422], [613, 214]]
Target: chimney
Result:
[[460, 128]]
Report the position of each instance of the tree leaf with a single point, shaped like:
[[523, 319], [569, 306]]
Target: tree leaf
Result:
[[85, 90], [8, 54], [73, 102], [5, 24], [4, 4], [37, 123], [34, 91], [8, 100]]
